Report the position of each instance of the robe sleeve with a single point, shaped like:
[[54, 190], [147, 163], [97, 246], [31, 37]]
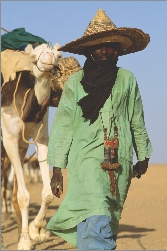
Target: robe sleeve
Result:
[[61, 134], [141, 142]]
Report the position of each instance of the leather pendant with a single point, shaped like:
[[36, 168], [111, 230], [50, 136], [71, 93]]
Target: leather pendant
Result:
[[111, 157]]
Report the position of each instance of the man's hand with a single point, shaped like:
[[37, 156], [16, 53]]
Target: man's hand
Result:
[[140, 168], [57, 182]]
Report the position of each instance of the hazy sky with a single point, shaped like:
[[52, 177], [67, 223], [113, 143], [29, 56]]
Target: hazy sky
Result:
[[64, 21]]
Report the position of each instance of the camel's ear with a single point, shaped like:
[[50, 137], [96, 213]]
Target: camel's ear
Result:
[[56, 46], [33, 56], [29, 48], [57, 53]]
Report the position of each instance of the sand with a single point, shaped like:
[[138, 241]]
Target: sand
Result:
[[143, 225]]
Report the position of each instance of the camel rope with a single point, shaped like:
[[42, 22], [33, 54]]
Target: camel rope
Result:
[[4, 30], [24, 102], [29, 157]]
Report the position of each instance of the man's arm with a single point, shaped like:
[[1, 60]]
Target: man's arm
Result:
[[60, 139], [141, 142], [61, 133]]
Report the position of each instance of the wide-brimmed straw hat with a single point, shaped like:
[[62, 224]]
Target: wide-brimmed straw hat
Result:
[[101, 30]]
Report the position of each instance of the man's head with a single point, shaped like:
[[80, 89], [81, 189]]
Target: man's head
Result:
[[103, 53]]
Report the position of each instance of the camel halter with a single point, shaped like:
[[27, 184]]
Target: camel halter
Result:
[[54, 70], [24, 102]]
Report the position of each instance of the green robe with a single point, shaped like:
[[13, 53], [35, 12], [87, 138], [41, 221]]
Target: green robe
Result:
[[76, 143]]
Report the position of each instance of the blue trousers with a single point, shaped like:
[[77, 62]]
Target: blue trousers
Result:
[[95, 234]]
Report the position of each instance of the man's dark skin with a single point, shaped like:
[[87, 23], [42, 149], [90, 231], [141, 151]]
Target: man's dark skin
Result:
[[102, 55], [57, 182]]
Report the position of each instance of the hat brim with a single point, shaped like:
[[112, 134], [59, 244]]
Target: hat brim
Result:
[[130, 39]]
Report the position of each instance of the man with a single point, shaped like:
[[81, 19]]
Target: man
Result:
[[98, 123]]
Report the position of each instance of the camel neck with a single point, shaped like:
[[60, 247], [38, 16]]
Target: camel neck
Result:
[[42, 89]]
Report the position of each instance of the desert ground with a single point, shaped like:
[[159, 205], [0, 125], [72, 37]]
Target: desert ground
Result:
[[143, 225]]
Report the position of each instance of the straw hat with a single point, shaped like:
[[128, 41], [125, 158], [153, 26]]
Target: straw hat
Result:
[[101, 30]]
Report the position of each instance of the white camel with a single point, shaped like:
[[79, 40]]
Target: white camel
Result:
[[24, 116], [7, 178]]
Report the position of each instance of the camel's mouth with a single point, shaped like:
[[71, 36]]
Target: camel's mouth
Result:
[[48, 64]]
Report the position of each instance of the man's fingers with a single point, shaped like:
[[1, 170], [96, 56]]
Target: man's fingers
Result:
[[57, 186], [57, 192], [61, 187], [142, 171]]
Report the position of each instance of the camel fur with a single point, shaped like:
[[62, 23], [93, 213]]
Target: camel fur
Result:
[[20, 122]]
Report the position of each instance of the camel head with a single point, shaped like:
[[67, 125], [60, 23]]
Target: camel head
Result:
[[44, 57]]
